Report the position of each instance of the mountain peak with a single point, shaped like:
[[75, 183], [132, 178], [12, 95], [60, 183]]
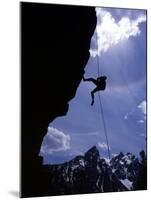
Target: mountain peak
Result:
[[92, 149], [89, 173], [92, 154]]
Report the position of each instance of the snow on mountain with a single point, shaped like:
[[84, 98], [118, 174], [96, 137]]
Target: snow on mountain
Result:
[[91, 173], [127, 183]]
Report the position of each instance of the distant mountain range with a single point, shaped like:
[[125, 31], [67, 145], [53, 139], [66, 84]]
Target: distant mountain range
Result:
[[92, 174]]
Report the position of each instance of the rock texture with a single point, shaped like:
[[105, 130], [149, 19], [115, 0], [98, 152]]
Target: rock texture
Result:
[[91, 173], [55, 41]]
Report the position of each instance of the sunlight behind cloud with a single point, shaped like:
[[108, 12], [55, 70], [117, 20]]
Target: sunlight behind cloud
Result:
[[109, 32]]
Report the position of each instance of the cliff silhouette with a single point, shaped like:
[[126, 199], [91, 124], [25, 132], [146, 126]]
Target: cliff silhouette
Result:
[[55, 42]]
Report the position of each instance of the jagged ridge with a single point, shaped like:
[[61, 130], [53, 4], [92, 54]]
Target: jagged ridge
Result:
[[91, 174]]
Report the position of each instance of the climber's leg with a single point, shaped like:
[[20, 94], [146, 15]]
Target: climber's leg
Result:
[[92, 95]]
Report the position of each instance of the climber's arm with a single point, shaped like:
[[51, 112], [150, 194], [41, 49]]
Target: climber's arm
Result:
[[90, 79]]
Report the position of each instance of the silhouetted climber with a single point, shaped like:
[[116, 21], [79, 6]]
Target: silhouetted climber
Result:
[[100, 83]]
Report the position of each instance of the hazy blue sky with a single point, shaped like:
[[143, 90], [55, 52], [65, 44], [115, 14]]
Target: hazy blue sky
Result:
[[121, 50]]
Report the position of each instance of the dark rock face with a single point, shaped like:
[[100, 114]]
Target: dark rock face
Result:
[[55, 41], [92, 174]]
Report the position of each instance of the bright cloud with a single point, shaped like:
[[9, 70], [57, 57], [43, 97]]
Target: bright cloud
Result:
[[102, 145], [142, 106], [109, 32], [55, 141], [140, 121], [140, 109]]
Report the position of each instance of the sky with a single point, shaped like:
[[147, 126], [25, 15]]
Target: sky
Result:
[[119, 46]]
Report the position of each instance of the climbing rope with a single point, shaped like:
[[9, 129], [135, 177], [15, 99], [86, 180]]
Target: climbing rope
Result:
[[101, 107]]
